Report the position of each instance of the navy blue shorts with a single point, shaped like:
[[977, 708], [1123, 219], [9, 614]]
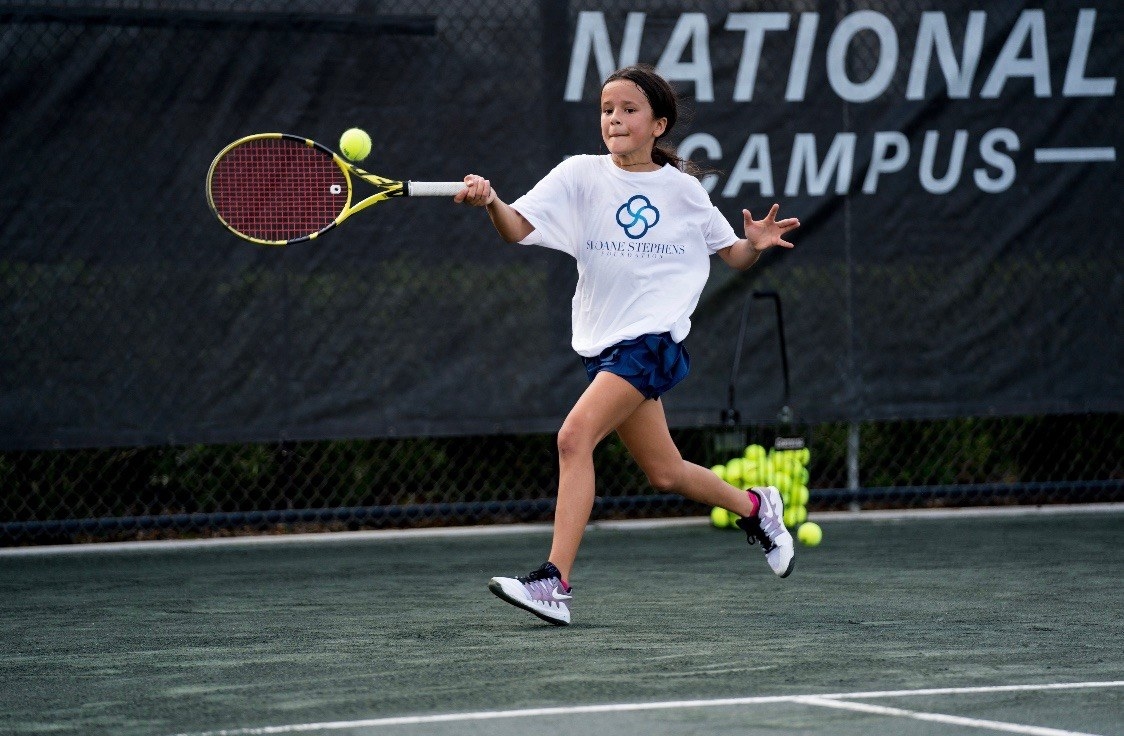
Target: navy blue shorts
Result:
[[653, 364]]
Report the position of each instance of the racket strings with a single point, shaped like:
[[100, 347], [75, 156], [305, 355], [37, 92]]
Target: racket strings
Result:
[[277, 189]]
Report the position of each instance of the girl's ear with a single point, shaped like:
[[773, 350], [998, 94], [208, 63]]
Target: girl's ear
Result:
[[661, 126]]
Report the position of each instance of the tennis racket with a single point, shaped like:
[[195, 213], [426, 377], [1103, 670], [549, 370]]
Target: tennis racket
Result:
[[277, 189]]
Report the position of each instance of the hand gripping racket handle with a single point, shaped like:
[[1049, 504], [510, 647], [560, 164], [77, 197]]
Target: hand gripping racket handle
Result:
[[433, 188]]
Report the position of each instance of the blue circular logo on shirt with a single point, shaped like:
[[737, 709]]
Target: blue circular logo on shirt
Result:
[[637, 216]]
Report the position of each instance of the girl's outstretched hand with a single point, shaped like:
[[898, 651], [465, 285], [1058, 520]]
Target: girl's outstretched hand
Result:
[[767, 233]]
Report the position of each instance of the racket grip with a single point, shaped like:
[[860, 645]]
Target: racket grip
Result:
[[433, 188]]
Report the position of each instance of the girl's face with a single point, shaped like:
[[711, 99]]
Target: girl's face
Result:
[[628, 125]]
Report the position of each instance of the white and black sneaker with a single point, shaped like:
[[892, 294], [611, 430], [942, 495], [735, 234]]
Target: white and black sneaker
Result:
[[541, 592], [768, 528]]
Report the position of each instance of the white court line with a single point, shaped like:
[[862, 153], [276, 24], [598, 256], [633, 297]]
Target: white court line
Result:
[[938, 717], [154, 545], [974, 690], [491, 715], [834, 700], [263, 539]]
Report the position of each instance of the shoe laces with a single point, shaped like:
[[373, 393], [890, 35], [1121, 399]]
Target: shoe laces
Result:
[[755, 533], [545, 571]]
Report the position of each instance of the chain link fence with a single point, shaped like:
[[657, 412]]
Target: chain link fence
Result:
[[218, 490], [104, 324]]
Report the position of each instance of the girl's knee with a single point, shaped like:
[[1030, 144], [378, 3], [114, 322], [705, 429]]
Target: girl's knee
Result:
[[665, 478], [573, 441]]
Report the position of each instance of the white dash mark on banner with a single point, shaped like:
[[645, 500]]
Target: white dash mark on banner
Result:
[[1073, 155]]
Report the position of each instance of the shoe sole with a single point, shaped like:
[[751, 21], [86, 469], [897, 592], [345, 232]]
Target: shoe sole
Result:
[[791, 564], [498, 590]]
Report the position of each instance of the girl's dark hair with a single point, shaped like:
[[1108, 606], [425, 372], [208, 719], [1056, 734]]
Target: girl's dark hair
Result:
[[665, 104]]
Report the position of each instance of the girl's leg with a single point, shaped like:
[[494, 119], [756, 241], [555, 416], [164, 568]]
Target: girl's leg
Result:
[[646, 435], [606, 403]]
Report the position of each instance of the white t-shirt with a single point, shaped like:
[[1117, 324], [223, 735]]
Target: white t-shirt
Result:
[[642, 241]]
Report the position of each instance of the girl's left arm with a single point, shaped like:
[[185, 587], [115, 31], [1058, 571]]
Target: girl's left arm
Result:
[[760, 235]]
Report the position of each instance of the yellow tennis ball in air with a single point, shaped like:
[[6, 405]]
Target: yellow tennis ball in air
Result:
[[355, 144], [809, 533], [719, 517]]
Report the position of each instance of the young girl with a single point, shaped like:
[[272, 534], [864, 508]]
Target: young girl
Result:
[[642, 231]]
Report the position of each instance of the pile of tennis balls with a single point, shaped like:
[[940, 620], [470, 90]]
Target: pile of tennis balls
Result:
[[787, 470]]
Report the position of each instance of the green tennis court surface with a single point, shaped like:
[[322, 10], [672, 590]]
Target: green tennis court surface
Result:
[[915, 626]]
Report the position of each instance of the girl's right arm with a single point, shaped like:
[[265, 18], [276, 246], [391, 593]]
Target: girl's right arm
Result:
[[511, 225]]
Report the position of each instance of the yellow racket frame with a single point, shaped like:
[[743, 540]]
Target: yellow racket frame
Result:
[[388, 187]]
